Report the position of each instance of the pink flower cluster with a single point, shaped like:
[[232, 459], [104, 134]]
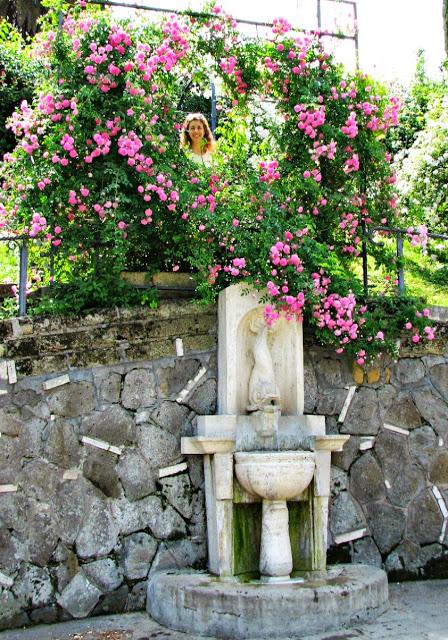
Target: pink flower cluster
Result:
[[38, 224], [338, 313], [269, 171], [350, 129], [310, 120], [281, 256], [129, 144], [418, 237], [280, 26], [429, 332], [352, 164], [235, 267], [320, 149], [228, 65]]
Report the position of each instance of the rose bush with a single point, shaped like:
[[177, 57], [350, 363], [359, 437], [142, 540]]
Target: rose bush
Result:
[[301, 169]]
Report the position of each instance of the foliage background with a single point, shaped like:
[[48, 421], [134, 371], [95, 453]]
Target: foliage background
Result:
[[98, 181]]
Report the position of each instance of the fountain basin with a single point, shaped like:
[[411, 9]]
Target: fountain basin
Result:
[[199, 603], [274, 475]]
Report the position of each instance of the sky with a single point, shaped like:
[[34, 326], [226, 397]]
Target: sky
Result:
[[390, 31]]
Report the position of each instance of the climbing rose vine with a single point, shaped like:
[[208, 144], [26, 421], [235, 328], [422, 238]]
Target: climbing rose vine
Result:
[[301, 167]]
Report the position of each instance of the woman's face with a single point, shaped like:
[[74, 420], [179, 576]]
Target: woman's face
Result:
[[196, 130]]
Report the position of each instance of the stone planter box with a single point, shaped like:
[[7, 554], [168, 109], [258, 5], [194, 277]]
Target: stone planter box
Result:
[[169, 284]]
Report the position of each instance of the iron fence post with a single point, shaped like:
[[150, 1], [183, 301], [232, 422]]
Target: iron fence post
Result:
[[365, 275], [23, 277], [213, 112], [400, 263]]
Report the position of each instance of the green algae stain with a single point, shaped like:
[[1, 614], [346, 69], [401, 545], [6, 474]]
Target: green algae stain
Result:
[[246, 537]]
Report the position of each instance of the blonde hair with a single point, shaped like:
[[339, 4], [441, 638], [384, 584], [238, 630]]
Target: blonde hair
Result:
[[185, 139]]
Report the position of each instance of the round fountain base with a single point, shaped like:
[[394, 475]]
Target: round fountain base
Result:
[[203, 604]]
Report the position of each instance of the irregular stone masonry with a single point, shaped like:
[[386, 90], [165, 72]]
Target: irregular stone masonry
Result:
[[95, 495]]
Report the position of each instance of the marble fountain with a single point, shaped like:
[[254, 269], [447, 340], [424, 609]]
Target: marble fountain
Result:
[[267, 485]]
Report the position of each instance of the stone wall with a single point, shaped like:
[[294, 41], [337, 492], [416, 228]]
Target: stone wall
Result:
[[390, 484], [95, 495]]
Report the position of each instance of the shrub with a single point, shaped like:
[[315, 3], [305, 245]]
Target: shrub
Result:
[[302, 166]]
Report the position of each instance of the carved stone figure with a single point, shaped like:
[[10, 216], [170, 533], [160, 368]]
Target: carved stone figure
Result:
[[263, 390]]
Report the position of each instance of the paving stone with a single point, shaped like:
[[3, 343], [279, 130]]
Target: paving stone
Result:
[[26, 398], [423, 445], [177, 489], [345, 514], [367, 480], [403, 413], [114, 602], [79, 597], [137, 476], [126, 516], [44, 615], [33, 586], [11, 552], [138, 389], [41, 534], [10, 460], [104, 574], [402, 562], [197, 527], [363, 416], [408, 370], [98, 533], [160, 448], [331, 401], [338, 481], [14, 509], [179, 555], [433, 409], [365, 551], [386, 524], [392, 451], [61, 576], [170, 416], [163, 523], [72, 400], [61, 443], [310, 385], [328, 372], [137, 553], [196, 471], [431, 557], [438, 471], [115, 425], [72, 505], [345, 458], [11, 611], [10, 421], [406, 485], [137, 597], [439, 378], [387, 395], [424, 519], [100, 467], [174, 377], [203, 399], [31, 438], [109, 384]]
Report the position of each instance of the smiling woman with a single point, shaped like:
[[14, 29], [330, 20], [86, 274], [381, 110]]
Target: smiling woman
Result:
[[198, 138]]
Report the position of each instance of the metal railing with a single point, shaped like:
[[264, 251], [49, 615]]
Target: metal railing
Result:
[[21, 241], [399, 233]]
